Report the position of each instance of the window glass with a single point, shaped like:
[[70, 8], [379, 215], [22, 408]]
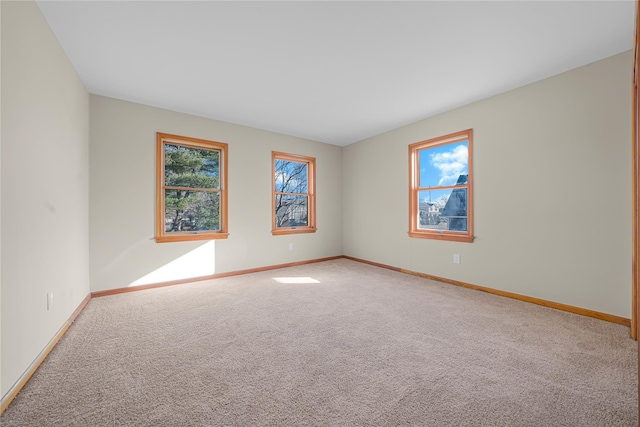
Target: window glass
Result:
[[293, 194], [440, 202], [191, 199]]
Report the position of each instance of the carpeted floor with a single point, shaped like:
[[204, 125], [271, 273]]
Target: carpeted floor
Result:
[[337, 343]]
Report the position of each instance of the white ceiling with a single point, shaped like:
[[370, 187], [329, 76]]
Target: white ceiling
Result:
[[331, 71]]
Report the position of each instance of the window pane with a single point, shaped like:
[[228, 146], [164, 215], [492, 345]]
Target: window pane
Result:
[[444, 165], [191, 211], [443, 209], [291, 211], [291, 177], [191, 167]]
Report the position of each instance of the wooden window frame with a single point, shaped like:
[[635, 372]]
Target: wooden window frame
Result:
[[161, 236], [311, 185], [414, 189]]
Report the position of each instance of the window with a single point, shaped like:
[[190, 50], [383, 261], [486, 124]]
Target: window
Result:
[[441, 188], [294, 204], [191, 192]]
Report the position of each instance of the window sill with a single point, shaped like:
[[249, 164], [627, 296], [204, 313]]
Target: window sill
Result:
[[441, 236], [185, 237], [300, 230]]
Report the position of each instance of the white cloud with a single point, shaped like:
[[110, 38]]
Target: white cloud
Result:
[[451, 164]]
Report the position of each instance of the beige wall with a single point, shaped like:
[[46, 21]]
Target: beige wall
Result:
[[552, 192], [122, 198], [45, 205], [552, 184]]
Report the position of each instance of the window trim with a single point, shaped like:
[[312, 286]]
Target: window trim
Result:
[[414, 180], [161, 235], [311, 185]]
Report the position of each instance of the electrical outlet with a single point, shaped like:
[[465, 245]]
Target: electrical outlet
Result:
[[456, 258], [49, 301], [290, 246]]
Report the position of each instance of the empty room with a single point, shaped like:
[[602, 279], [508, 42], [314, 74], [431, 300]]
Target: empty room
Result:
[[331, 213]]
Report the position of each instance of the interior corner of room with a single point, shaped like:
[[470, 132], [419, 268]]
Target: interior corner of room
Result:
[[553, 192]]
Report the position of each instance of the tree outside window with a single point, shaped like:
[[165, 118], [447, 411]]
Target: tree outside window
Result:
[[293, 194], [191, 195]]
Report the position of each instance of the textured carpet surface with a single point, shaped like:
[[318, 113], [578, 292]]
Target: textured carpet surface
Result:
[[341, 344]]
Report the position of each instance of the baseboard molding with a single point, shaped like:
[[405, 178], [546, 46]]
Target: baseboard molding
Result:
[[558, 306], [210, 277], [17, 387], [377, 264], [538, 301], [13, 392]]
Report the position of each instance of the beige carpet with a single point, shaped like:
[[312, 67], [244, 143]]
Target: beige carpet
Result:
[[362, 346]]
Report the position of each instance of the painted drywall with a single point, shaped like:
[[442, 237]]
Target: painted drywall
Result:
[[1, 393], [122, 198], [552, 191], [45, 203]]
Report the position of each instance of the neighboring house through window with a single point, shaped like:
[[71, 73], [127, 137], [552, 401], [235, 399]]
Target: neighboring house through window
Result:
[[441, 190], [293, 184], [191, 189]]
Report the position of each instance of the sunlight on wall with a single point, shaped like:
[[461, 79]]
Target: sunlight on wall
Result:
[[295, 280], [197, 263]]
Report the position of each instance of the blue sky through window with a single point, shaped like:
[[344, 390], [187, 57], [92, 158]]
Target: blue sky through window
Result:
[[291, 177], [442, 165]]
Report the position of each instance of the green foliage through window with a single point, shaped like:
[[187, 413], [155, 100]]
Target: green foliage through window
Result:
[[191, 200], [187, 169]]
